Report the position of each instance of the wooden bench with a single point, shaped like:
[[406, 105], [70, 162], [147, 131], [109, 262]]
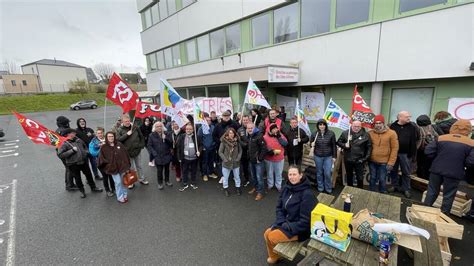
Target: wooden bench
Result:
[[431, 254], [289, 250]]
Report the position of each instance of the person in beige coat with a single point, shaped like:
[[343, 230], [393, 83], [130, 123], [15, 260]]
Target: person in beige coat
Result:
[[230, 152]]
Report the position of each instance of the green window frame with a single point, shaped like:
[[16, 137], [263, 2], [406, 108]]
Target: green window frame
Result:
[[231, 48], [269, 28], [355, 22], [191, 51], [286, 25]]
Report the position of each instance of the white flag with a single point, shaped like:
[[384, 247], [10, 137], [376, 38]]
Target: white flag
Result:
[[336, 117], [170, 99], [302, 122], [179, 117], [199, 117], [253, 95]]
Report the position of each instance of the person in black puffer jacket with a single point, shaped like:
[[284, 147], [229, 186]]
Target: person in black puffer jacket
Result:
[[357, 147], [146, 129], [160, 145], [428, 134], [293, 213], [63, 124], [86, 134], [443, 121], [325, 152], [296, 138]]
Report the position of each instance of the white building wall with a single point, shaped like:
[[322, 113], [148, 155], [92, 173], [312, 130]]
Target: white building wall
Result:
[[57, 78], [141, 4], [2, 87], [431, 45]]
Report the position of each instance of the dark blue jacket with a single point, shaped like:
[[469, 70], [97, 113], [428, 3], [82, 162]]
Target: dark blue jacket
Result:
[[207, 140], [159, 148], [293, 212]]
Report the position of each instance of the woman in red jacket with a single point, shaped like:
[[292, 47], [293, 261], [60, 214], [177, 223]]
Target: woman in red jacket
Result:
[[275, 158]]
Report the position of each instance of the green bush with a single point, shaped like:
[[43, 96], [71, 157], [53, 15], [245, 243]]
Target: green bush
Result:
[[100, 89], [81, 91]]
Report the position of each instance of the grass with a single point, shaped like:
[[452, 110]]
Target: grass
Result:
[[45, 102]]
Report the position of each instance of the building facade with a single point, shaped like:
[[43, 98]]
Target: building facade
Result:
[[55, 75], [19, 83], [402, 54]]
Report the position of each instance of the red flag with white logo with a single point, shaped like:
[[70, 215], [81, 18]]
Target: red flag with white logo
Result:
[[361, 111], [121, 94], [38, 133], [148, 109]]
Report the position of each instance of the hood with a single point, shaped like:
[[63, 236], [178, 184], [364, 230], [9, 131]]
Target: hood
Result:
[[62, 121], [321, 121], [79, 119], [304, 184], [423, 120], [461, 127]]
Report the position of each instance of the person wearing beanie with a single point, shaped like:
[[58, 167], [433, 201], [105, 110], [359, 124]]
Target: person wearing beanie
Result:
[[428, 133], [63, 124], [323, 142], [275, 159], [384, 153], [451, 154]]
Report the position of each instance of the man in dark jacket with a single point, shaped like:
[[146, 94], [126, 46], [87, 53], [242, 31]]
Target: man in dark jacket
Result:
[[244, 162], [208, 150], [86, 134], [296, 138], [63, 124], [428, 134], [131, 137], [74, 153], [219, 130], [356, 145], [407, 136], [256, 151], [451, 153], [325, 153]]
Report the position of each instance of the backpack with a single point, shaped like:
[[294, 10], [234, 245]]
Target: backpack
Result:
[[428, 135]]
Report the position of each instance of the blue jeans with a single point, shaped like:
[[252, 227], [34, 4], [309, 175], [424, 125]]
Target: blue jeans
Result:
[[274, 172], [226, 173], [256, 172], [93, 161], [405, 164], [324, 173], [450, 187], [120, 190], [207, 162], [378, 172]]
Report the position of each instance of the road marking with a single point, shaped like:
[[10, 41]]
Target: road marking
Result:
[[8, 141], [10, 144], [15, 165], [7, 151], [11, 235], [16, 147], [8, 155]]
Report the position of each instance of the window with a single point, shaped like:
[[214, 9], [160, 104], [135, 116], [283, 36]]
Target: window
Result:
[[203, 47], [187, 2], [351, 11], [171, 7], [176, 55], [232, 38], [191, 50], [155, 14], [285, 23], [407, 5], [13, 82], [217, 43], [261, 30], [196, 92], [315, 16], [168, 58], [182, 92], [417, 101], [146, 19], [218, 91], [24, 82], [163, 7], [160, 59], [152, 60]]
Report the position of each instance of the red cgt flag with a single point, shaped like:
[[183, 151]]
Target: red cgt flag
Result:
[[38, 133], [121, 94], [361, 111], [148, 109]]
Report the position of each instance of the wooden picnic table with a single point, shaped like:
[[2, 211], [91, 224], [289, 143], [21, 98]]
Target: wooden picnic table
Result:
[[358, 252]]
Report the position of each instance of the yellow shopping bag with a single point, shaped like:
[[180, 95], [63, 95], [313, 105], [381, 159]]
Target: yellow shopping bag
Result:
[[331, 226]]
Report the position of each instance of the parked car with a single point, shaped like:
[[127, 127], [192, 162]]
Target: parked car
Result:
[[85, 104], [2, 134]]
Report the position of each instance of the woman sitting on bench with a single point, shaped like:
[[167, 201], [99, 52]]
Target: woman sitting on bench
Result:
[[293, 213]]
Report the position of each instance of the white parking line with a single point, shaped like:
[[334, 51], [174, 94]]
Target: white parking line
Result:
[[10, 144], [7, 151], [8, 141], [8, 155], [15, 147], [11, 235]]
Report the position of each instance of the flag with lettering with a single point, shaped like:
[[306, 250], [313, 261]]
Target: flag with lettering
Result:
[[38, 133], [148, 109], [361, 111], [253, 95], [336, 117], [199, 117], [121, 94], [301, 118], [170, 99]]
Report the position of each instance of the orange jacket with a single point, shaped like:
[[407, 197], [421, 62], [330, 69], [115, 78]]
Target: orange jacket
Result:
[[384, 146]]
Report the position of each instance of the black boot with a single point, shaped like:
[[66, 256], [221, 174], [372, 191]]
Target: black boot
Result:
[[97, 189], [83, 194], [226, 192], [239, 191], [160, 186]]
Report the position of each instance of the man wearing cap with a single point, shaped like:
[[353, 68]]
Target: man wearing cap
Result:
[[452, 153], [384, 153], [272, 119], [219, 131]]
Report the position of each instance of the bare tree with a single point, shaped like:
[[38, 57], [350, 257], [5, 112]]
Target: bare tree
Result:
[[10, 66], [105, 71]]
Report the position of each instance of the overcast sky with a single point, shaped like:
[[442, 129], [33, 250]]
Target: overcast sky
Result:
[[85, 32]]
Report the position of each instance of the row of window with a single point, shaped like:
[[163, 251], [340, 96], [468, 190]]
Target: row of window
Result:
[[298, 20], [23, 82], [162, 10], [214, 91]]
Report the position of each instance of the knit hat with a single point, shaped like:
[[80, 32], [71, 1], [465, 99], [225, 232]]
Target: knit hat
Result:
[[68, 131], [379, 118], [272, 126], [226, 113], [461, 127]]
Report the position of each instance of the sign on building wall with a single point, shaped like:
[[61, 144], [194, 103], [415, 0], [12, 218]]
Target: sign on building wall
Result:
[[283, 74], [289, 103], [313, 105], [462, 108], [216, 104]]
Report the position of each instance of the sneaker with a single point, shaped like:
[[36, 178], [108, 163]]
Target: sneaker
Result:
[[221, 180], [247, 183], [392, 189], [160, 186], [169, 184], [83, 195], [144, 182], [194, 186], [259, 197], [183, 188], [131, 186], [151, 164], [213, 176], [110, 194], [204, 177], [226, 192], [97, 189], [98, 177], [271, 261], [252, 191], [239, 191], [178, 179], [407, 194]]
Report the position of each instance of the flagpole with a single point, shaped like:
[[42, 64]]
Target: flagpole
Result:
[[194, 125], [105, 112], [134, 115], [298, 117], [255, 120]]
